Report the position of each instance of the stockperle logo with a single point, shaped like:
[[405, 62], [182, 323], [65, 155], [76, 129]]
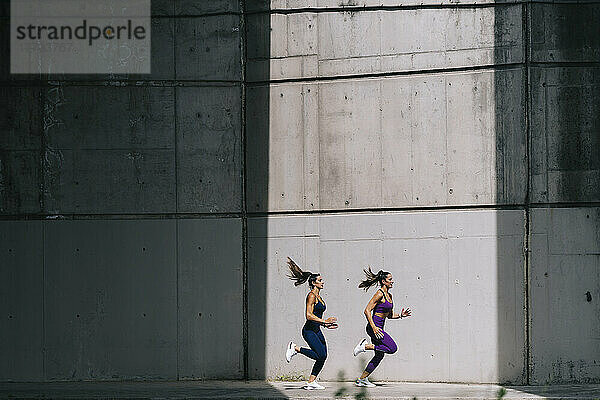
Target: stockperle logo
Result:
[[80, 36]]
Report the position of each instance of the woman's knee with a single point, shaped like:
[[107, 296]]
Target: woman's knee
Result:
[[322, 354], [392, 348]]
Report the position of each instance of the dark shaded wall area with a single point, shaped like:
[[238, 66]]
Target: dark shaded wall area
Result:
[[121, 198], [564, 264]]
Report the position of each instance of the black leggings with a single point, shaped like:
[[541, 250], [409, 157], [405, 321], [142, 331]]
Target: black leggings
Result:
[[318, 348]]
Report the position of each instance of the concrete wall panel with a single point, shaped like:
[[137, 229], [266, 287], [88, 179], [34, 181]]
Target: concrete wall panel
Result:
[[20, 181], [564, 134], [448, 270], [20, 144], [565, 32], [565, 287], [210, 299], [83, 117], [21, 301], [353, 6], [209, 149], [390, 142], [111, 300], [20, 118], [124, 162], [192, 7], [138, 182], [208, 48], [350, 43]]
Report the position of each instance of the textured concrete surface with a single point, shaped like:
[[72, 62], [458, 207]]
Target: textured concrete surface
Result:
[[290, 390], [305, 45], [468, 261], [21, 301], [565, 289], [141, 162], [209, 149], [210, 287], [565, 33], [564, 136], [120, 299], [352, 5], [425, 140], [110, 299]]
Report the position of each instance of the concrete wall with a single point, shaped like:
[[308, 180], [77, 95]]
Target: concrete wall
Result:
[[565, 170], [445, 265], [144, 218], [393, 108], [121, 201]]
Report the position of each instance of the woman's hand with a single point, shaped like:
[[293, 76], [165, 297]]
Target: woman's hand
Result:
[[330, 323], [405, 313], [378, 332]]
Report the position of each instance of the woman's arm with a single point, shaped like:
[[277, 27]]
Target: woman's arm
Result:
[[311, 300], [369, 309]]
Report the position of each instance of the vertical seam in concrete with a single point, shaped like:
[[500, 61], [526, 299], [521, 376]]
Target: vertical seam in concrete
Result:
[[381, 154], [45, 377], [446, 142], [174, 27], [448, 359], [303, 133], [527, 105], [42, 163], [42, 126], [243, 54]]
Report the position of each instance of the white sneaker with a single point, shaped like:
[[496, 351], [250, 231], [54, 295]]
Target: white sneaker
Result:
[[314, 385], [360, 347], [290, 351], [364, 383]]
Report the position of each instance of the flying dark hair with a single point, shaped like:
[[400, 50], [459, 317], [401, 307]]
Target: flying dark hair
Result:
[[299, 276], [372, 279]]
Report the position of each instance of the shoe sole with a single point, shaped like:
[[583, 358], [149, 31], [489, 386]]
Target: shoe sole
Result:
[[357, 353], [286, 352]]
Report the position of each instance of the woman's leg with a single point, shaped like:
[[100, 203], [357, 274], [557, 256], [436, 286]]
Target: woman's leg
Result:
[[373, 363], [317, 351], [385, 345]]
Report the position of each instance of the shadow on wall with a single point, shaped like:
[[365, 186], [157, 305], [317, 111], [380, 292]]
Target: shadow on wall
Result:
[[565, 191], [549, 107], [510, 154], [119, 288], [258, 50]]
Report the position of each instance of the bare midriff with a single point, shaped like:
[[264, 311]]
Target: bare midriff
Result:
[[382, 315]]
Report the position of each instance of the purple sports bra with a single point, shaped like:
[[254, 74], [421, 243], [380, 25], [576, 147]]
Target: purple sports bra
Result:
[[384, 307]]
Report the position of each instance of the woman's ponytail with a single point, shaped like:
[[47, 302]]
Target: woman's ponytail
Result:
[[297, 275], [372, 279]]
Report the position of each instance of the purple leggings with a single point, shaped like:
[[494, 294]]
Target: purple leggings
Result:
[[382, 346]]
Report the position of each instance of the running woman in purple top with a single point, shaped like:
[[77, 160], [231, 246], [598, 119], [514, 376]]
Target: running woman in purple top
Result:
[[379, 308]]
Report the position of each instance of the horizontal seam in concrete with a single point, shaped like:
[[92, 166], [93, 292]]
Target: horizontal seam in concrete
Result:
[[392, 209], [564, 2], [169, 216], [558, 64], [321, 10], [491, 67], [566, 205], [121, 83], [213, 14], [388, 55]]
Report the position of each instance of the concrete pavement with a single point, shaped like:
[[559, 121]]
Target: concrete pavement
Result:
[[287, 390]]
